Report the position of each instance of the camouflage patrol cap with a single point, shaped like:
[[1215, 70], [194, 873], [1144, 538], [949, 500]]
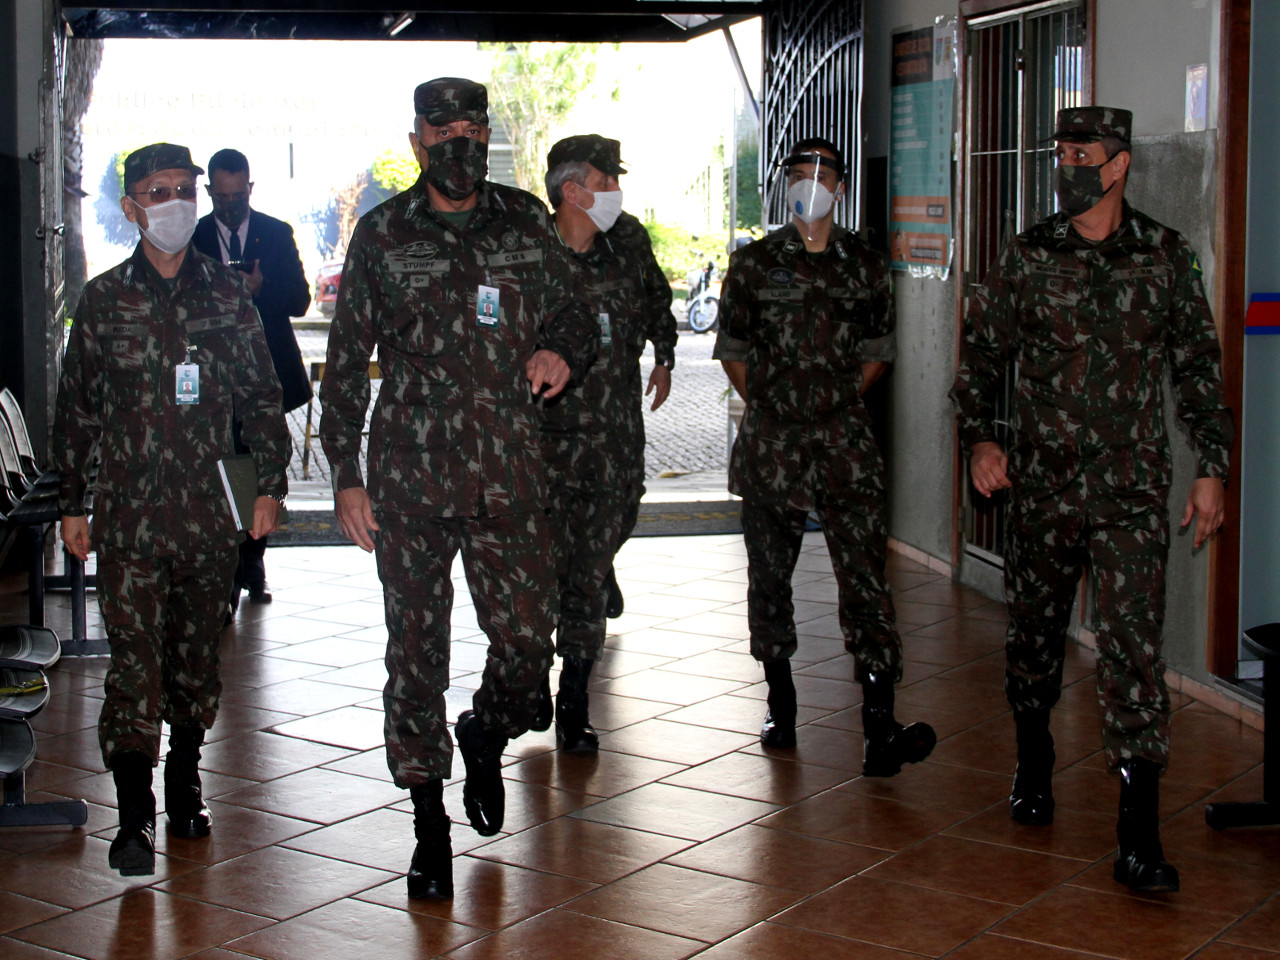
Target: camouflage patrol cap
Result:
[[601, 152], [1091, 124], [155, 157], [446, 99]]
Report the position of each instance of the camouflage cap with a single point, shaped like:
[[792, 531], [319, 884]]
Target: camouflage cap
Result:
[[601, 152], [1091, 124], [155, 157], [446, 99]]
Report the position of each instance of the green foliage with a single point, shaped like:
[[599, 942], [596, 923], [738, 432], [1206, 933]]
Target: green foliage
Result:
[[534, 87], [394, 171], [678, 251], [749, 209]]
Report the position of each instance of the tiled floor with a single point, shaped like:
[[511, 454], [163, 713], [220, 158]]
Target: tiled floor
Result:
[[682, 837]]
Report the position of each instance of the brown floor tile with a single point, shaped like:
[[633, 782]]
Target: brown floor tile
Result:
[[1231, 951], [939, 785], [1108, 925], [75, 874], [527, 804], [596, 852], [371, 675], [1077, 834], [260, 756], [686, 903], [676, 811], [333, 932], [611, 713], [236, 831], [1261, 928], [322, 796], [682, 743], [601, 775], [666, 686], [563, 935], [740, 714], [382, 839], [619, 663], [78, 748], [66, 711], [761, 777], [989, 946], [819, 745], [370, 763], [353, 727], [144, 923], [777, 858], [486, 894], [1187, 832], [18, 911], [263, 670], [870, 821], [965, 633], [302, 697], [942, 591], [976, 869], [738, 666], [1217, 885], [16, 950], [774, 941], [235, 719], [276, 882], [873, 910]]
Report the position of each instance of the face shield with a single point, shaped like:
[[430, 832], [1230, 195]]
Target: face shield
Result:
[[808, 199]]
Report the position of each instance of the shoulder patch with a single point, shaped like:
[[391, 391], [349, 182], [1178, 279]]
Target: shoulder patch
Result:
[[510, 241], [1195, 265], [420, 250], [781, 276]]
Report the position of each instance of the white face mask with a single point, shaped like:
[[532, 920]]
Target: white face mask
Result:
[[170, 224], [605, 209], [808, 200]]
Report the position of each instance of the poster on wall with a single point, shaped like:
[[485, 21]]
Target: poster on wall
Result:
[[923, 90]]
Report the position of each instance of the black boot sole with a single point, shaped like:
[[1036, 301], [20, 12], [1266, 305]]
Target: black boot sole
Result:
[[190, 828], [577, 741], [780, 736], [433, 880], [134, 856], [484, 796], [910, 744], [1145, 876]]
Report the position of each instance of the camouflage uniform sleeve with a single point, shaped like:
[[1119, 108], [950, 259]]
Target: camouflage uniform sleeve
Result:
[[76, 424], [1195, 363], [735, 307], [882, 347], [344, 392], [259, 405], [568, 326], [985, 349]]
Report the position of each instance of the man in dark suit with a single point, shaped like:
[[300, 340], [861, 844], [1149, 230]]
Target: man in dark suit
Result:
[[263, 249]]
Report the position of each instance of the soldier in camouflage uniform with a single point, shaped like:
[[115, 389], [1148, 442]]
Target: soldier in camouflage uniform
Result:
[[805, 313], [462, 287], [593, 433], [1093, 306], [164, 350]]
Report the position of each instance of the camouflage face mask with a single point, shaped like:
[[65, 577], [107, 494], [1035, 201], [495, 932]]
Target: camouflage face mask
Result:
[[1079, 188], [456, 166]]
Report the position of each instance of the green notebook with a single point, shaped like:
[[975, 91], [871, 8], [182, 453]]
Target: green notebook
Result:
[[240, 483]]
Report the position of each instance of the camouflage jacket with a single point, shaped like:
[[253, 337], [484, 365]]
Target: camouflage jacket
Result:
[[1091, 330], [158, 490], [803, 323], [455, 427], [632, 299]]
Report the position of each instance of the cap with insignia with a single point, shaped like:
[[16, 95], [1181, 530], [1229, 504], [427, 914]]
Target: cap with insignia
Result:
[[448, 99], [155, 157], [601, 152], [1091, 124]]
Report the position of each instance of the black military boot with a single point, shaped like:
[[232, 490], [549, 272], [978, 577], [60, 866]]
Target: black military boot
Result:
[[483, 795], [431, 870], [542, 719], [887, 744], [613, 596], [1140, 864], [779, 728], [1031, 801], [133, 851], [574, 732], [183, 800]]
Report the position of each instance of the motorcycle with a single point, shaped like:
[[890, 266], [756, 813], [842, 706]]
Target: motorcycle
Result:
[[704, 298]]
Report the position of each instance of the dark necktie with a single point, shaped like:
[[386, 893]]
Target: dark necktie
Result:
[[233, 248]]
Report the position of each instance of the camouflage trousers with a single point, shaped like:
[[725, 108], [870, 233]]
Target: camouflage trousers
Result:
[[586, 526], [508, 568], [163, 617], [856, 540], [1123, 539]]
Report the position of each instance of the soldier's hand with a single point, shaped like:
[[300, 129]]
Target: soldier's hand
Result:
[[1207, 503], [989, 465], [266, 517], [254, 278], [355, 516], [547, 372], [659, 385], [75, 534]]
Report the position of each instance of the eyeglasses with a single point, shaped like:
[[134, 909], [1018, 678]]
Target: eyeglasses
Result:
[[183, 191]]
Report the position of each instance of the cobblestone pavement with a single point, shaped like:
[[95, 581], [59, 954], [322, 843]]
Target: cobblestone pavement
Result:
[[687, 434]]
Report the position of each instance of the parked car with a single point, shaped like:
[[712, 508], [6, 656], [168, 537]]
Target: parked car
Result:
[[326, 286]]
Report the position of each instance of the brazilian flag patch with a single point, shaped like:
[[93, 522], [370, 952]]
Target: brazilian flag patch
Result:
[[1195, 265]]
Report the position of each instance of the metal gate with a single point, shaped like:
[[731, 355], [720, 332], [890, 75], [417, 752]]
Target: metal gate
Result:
[[1021, 67]]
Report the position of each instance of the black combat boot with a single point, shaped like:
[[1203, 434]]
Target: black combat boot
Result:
[[613, 596], [542, 719], [779, 728], [483, 795], [133, 851], [887, 744], [431, 870], [1031, 801], [573, 726], [1140, 864], [183, 801]]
